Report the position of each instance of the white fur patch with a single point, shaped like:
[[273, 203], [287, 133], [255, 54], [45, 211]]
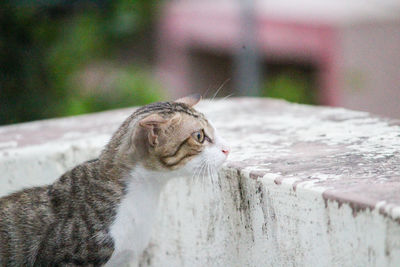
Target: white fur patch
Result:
[[131, 229]]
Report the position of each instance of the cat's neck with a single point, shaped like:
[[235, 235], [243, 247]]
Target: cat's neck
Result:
[[136, 213], [146, 184]]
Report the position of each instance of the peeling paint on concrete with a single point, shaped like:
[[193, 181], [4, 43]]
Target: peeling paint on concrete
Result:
[[304, 186]]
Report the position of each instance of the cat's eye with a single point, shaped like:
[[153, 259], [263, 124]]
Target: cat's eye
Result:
[[199, 136]]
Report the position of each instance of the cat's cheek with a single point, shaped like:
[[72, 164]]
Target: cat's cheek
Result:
[[214, 156], [190, 167]]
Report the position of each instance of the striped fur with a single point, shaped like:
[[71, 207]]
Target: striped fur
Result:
[[67, 223]]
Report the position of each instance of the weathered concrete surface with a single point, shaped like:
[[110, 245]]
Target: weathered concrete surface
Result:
[[304, 186], [36, 153]]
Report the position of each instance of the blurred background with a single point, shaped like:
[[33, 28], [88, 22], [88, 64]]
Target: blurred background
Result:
[[69, 57]]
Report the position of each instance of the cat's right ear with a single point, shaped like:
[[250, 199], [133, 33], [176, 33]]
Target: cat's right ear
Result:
[[189, 100], [152, 124]]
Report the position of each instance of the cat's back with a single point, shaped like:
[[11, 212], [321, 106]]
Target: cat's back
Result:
[[24, 199], [62, 223], [23, 209]]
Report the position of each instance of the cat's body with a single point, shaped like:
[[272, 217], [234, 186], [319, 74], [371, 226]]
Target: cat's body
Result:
[[102, 211]]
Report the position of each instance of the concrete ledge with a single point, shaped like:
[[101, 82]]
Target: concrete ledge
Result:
[[304, 186]]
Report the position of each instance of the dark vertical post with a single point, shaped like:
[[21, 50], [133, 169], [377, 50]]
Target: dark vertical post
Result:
[[247, 69]]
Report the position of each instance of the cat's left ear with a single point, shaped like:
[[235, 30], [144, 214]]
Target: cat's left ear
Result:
[[189, 100], [152, 124]]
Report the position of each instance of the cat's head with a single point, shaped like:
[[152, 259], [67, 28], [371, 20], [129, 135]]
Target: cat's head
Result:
[[173, 136]]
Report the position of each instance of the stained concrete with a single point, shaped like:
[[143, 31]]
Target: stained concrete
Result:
[[303, 186]]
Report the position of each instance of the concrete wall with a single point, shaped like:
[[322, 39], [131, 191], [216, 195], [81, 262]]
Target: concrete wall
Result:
[[304, 186]]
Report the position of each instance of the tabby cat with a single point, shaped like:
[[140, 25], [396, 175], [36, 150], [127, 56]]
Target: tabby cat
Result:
[[101, 211]]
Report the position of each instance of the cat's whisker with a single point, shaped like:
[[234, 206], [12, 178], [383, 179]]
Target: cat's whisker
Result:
[[205, 173], [204, 177], [201, 173], [209, 174], [197, 172], [205, 94], [194, 175], [212, 175], [212, 191], [213, 178], [222, 85], [226, 97], [210, 171]]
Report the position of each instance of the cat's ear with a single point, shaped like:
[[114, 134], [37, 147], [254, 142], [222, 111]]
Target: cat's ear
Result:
[[189, 100], [152, 124]]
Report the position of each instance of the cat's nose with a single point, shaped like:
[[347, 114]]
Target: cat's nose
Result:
[[225, 151]]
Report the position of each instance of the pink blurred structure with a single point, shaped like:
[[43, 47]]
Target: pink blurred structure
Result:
[[353, 45]]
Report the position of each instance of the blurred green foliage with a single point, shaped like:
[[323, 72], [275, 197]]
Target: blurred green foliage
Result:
[[61, 58], [291, 84]]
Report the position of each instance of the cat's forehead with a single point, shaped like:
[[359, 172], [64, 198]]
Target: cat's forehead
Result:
[[169, 108], [189, 123]]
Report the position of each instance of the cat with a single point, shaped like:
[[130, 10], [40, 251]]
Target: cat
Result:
[[101, 212]]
